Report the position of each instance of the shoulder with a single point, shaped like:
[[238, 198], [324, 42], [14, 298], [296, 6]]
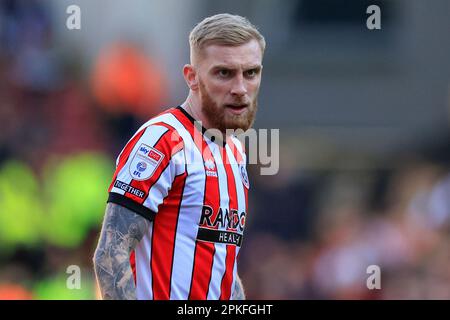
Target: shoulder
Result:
[[161, 132]]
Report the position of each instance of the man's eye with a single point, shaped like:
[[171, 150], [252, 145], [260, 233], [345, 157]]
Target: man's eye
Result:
[[224, 73], [251, 73]]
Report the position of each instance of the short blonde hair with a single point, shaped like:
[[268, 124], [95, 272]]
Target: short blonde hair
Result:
[[224, 29]]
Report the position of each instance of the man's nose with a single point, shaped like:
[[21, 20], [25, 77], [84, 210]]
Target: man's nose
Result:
[[239, 88]]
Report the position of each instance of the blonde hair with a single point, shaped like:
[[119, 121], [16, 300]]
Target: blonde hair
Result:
[[224, 29]]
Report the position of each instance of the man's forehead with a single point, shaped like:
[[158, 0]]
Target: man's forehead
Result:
[[247, 55]]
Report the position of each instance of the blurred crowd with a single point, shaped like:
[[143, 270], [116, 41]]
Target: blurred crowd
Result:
[[397, 220], [311, 234], [58, 142]]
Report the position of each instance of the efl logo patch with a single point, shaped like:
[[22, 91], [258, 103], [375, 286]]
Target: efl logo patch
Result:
[[145, 162]]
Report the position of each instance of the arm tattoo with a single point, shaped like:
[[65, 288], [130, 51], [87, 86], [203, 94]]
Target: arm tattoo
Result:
[[238, 293], [121, 232]]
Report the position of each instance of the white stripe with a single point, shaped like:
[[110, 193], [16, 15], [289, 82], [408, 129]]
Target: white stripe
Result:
[[143, 271], [220, 253], [241, 202]]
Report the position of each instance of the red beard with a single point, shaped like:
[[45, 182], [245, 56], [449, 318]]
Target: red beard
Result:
[[220, 119]]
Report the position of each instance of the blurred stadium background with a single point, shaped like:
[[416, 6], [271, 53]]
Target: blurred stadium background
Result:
[[364, 124]]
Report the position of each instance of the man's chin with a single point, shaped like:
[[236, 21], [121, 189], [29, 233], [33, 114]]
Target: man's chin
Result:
[[235, 124], [243, 121]]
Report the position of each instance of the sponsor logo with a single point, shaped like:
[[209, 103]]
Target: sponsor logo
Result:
[[143, 149], [223, 226], [210, 168], [225, 219], [149, 153], [209, 164], [210, 173], [145, 162], [219, 236], [154, 155], [127, 188]]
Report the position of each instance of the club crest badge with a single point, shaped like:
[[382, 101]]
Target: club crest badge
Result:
[[244, 176]]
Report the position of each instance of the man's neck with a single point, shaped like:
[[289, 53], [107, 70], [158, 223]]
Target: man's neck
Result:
[[194, 110]]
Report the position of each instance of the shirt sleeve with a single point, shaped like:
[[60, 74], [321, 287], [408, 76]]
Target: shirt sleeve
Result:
[[146, 168]]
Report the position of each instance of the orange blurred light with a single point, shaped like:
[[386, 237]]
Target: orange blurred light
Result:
[[125, 80], [14, 292]]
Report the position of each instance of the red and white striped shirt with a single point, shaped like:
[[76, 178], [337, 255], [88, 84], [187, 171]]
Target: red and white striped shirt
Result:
[[195, 193]]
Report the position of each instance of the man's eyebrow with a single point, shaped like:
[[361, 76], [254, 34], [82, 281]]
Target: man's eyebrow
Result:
[[229, 67], [254, 67], [223, 66]]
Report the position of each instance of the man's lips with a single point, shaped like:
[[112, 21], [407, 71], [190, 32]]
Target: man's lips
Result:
[[236, 108]]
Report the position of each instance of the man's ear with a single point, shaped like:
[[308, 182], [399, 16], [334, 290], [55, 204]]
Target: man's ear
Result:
[[190, 76]]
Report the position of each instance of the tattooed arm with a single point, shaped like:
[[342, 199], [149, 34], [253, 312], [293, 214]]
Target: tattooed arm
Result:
[[238, 293], [122, 230]]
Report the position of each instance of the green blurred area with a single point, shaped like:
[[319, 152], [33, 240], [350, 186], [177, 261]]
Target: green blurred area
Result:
[[56, 210], [56, 288], [21, 207], [59, 208], [75, 192]]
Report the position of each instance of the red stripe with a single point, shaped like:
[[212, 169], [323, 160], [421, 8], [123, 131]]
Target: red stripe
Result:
[[227, 279], [204, 251], [163, 241], [125, 155]]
